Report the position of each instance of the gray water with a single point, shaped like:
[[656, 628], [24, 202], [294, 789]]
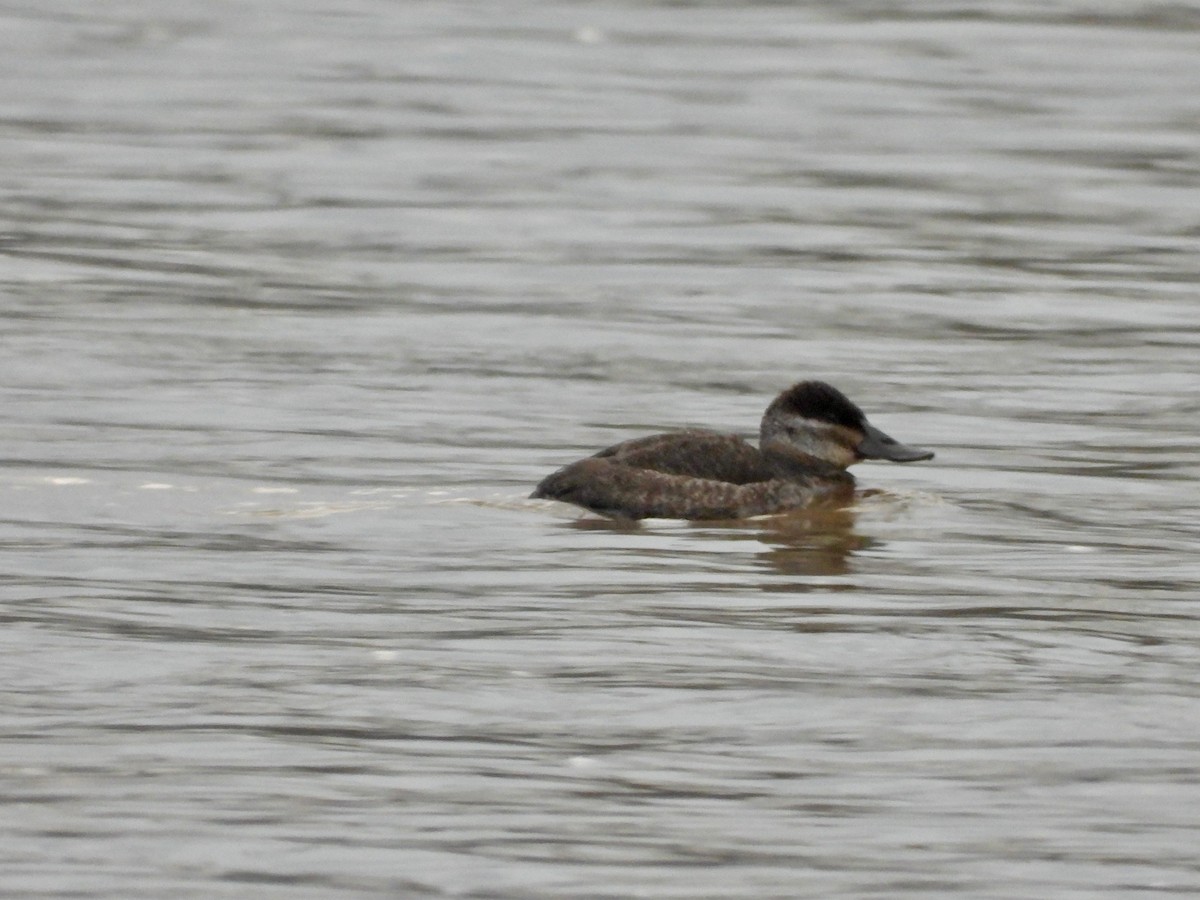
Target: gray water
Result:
[[301, 299]]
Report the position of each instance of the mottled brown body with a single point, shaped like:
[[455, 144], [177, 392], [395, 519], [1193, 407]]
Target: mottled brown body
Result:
[[654, 483]]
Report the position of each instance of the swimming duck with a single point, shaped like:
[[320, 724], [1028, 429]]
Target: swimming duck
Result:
[[809, 435]]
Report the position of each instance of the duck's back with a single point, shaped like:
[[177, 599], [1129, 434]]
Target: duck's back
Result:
[[695, 454]]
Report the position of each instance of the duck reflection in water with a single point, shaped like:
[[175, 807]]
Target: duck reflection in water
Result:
[[810, 434], [811, 541]]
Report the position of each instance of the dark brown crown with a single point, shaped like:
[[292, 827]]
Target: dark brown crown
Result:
[[820, 401]]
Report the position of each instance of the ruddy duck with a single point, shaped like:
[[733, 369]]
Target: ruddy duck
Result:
[[809, 435]]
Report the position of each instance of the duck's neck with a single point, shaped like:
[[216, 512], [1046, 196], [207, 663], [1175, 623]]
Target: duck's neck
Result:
[[790, 461]]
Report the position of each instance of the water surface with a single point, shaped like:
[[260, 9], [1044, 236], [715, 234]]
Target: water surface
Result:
[[300, 302]]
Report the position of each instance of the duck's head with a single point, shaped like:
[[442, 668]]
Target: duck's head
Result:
[[816, 420]]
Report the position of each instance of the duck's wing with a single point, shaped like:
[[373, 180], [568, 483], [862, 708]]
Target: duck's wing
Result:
[[695, 454]]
